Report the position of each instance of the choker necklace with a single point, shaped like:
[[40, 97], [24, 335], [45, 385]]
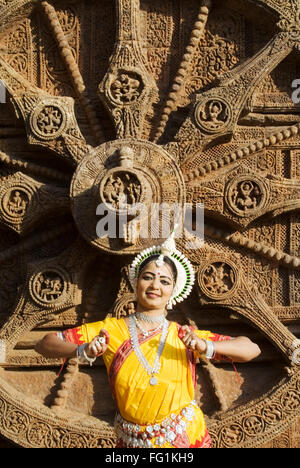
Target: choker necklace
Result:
[[138, 352], [146, 332], [150, 319]]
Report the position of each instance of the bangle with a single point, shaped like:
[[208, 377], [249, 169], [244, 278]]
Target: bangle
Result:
[[81, 354], [210, 349]]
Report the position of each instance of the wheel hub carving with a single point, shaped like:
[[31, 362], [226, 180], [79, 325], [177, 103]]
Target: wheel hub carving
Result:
[[113, 179]]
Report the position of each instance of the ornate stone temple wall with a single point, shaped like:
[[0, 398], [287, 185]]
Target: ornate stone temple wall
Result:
[[158, 101]]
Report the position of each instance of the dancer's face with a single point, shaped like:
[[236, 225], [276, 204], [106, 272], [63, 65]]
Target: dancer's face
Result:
[[155, 286]]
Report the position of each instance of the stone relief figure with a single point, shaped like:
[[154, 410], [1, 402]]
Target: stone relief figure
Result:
[[49, 120], [217, 280], [121, 189], [48, 287], [109, 190], [17, 204], [125, 89], [246, 196], [213, 115], [149, 413]]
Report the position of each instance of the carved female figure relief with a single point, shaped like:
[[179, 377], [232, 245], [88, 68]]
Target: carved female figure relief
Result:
[[246, 196], [213, 115]]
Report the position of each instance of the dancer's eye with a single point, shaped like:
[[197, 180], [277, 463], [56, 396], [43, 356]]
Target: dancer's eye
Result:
[[147, 277], [165, 282]]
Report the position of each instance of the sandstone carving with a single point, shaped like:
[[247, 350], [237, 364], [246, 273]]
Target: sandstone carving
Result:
[[115, 111]]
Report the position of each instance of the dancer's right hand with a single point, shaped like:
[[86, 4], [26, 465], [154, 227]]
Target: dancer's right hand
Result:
[[95, 348]]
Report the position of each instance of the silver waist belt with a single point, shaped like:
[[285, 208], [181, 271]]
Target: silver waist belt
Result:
[[138, 436]]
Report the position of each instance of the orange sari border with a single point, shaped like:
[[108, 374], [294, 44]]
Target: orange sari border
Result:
[[204, 442], [73, 335]]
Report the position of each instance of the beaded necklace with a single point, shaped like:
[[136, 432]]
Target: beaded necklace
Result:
[[146, 332], [149, 319], [138, 352]]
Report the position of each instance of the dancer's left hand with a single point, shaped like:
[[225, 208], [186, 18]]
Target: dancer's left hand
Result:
[[191, 340]]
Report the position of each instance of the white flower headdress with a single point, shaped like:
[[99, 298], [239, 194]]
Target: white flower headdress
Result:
[[185, 272]]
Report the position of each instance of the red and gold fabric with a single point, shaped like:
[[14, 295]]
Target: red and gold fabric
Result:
[[139, 402]]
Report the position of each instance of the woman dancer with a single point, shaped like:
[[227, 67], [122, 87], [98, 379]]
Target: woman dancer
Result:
[[151, 361]]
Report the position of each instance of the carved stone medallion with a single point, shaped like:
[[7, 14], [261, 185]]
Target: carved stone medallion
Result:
[[246, 196], [117, 203], [253, 425], [121, 189], [48, 121], [213, 115], [290, 400], [232, 435], [126, 87], [217, 279], [18, 198], [49, 287], [14, 203]]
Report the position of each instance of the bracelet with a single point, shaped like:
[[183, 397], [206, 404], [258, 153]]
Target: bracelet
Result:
[[81, 354], [210, 349]]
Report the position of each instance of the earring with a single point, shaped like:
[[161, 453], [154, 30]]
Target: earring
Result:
[[169, 305]]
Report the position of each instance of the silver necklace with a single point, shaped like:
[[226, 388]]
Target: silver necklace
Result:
[[146, 318], [138, 352], [146, 332]]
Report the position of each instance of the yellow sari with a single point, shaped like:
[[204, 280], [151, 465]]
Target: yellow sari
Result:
[[164, 415]]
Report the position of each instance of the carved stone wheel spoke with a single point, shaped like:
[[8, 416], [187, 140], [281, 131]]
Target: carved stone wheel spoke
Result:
[[115, 113]]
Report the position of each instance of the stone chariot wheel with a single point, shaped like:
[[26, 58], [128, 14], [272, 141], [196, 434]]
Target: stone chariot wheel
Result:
[[111, 114]]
